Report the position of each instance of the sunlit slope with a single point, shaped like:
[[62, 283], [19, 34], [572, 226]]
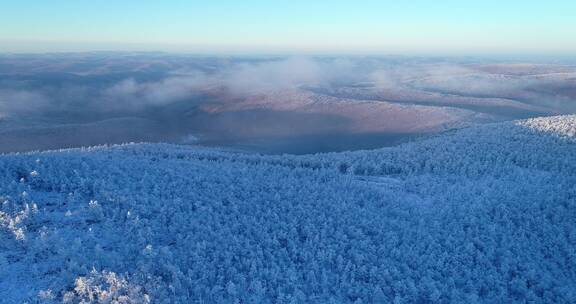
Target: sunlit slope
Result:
[[482, 214]]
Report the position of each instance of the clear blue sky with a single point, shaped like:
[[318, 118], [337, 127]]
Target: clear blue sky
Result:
[[317, 26]]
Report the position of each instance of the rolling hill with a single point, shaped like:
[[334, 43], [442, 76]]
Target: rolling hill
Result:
[[482, 214]]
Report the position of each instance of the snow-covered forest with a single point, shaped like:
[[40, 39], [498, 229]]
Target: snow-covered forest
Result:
[[483, 214]]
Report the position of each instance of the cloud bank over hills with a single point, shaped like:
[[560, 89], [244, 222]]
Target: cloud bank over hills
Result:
[[248, 101]]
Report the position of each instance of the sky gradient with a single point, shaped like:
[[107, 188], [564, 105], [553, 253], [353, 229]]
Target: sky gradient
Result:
[[258, 26]]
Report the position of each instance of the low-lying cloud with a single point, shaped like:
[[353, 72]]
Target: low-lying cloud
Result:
[[21, 102], [105, 91], [241, 80]]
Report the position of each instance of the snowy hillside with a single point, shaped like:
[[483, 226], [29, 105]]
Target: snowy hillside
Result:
[[485, 214]]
